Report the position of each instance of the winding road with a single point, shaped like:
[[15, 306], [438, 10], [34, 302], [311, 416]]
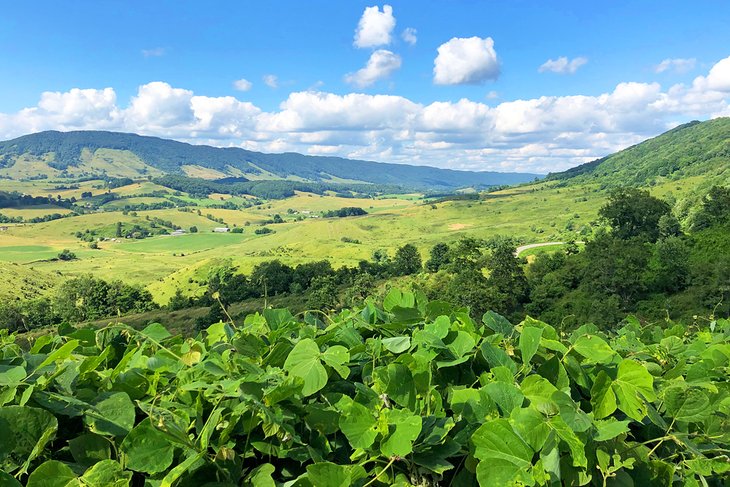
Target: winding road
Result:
[[522, 248]]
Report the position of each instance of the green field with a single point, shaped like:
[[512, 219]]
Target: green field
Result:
[[539, 212]]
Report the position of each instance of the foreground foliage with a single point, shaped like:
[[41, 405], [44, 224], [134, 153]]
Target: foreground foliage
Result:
[[414, 393]]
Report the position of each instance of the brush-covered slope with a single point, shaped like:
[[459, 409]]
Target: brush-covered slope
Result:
[[82, 151], [693, 149]]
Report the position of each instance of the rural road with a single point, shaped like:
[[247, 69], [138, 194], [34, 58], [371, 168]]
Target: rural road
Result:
[[522, 248]]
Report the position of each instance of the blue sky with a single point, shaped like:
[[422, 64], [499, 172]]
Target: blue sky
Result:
[[464, 90]]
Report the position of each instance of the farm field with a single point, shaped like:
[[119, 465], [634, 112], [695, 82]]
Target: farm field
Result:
[[532, 213]]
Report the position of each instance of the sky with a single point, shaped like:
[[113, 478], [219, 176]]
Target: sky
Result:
[[529, 86]]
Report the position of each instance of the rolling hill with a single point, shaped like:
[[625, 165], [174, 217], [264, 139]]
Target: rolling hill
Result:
[[91, 153], [693, 149]]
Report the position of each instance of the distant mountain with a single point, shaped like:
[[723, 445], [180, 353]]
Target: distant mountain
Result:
[[695, 149], [87, 153]]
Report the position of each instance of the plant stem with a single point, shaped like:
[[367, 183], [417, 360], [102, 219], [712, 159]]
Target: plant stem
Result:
[[392, 460]]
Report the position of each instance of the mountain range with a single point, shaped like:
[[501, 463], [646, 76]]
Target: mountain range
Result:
[[115, 154]]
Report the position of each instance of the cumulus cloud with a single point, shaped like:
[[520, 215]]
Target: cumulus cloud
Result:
[[242, 84], [542, 134], [271, 80], [719, 77], [382, 63], [678, 65], [562, 65], [409, 36], [375, 27], [155, 52], [471, 60]]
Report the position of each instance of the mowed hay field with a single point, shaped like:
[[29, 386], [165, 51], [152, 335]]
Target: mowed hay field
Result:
[[533, 213]]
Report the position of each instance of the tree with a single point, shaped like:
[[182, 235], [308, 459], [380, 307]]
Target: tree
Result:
[[715, 208], [407, 261], [193, 229], [438, 257], [305, 274], [273, 277], [323, 294], [178, 301], [467, 254], [118, 232], [633, 213], [66, 254], [507, 281]]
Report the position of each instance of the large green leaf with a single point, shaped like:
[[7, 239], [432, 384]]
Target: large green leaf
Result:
[[397, 344], [396, 381], [147, 449], [594, 348], [261, 476], [405, 428], [610, 428], [506, 395], [634, 385], [358, 425], [498, 323], [472, 404], [112, 414], [24, 433], [106, 473], [327, 474], [575, 445], [52, 474], [304, 361], [336, 357], [7, 480], [505, 457], [687, 404], [90, 448], [539, 391], [497, 357], [529, 342], [603, 398], [11, 376], [531, 425]]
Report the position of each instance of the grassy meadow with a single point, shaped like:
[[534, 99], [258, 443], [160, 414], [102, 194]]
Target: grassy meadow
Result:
[[539, 212]]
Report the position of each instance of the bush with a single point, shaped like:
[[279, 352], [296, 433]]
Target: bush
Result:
[[66, 254]]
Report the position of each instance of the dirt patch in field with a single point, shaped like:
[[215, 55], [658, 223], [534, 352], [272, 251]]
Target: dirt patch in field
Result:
[[459, 226]]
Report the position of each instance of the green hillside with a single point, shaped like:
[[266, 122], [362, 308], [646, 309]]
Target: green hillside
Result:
[[692, 149], [84, 153]]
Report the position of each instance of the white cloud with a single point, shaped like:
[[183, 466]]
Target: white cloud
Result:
[[375, 27], [562, 65], [242, 84], [409, 36], [158, 106], [678, 65], [271, 80], [719, 77], [156, 52], [542, 134], [470, 60], [382, 63]]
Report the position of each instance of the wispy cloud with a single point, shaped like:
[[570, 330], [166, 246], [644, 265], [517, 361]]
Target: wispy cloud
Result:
[[562, 65], [242, 84], [154, 52], [271, 80], [678, 65], [409, 35]]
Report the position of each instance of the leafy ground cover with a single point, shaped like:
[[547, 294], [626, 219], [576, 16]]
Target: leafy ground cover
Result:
[[410, 393]]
